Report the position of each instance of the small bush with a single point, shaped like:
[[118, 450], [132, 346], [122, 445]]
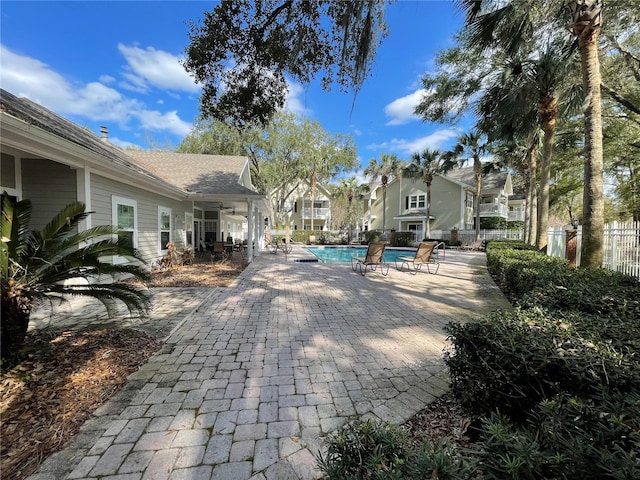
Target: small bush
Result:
[[401, 239], [372, 236], [566, 437], [378, 450], [363, 448], [510, 361]]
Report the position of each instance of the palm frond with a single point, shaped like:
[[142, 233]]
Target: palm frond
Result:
[[64, 222], [135, 300]]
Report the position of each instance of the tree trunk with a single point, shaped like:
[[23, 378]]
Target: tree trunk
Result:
[[533, 207], [384, 206], [593, 199], [428, 232], [313, 199], [14, 324], [547, 111], [477, 170], [587, 21], [527, 200]]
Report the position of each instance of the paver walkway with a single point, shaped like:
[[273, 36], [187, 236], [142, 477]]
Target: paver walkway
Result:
[[256, 374]]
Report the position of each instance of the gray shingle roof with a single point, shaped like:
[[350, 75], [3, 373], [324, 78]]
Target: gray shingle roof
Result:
[[205, 174], [38, 116], [198, 173], [489, 181]]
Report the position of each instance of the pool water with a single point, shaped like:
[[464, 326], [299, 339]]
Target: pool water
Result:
[[343, 254]]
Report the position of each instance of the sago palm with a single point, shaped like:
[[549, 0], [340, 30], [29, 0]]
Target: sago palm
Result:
[[37, 266]]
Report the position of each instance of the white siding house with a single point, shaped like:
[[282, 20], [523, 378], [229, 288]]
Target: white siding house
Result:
[[154, 197]]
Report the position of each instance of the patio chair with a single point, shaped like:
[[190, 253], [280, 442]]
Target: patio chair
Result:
[[423, 256], [373, 258], [219, 252], [285, 245], [477, 246]]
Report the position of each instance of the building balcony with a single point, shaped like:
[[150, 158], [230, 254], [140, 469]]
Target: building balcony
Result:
[[493, 210], [516, 216], [319, 213]]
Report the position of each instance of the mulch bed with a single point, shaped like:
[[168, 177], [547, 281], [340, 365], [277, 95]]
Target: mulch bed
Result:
[[45, 399], [201, 274]]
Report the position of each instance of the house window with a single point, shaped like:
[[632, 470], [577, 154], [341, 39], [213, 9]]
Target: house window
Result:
[[468, 201], [416, 201], [164, 228], [124, 215]]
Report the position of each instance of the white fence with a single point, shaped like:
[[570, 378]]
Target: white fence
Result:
[[621, 251]]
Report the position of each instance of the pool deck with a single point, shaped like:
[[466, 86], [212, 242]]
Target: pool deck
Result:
[[254, 376]]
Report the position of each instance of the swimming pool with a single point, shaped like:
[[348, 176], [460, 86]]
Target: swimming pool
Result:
[[343, 254]]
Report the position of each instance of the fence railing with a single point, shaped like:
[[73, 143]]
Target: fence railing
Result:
[[621, 250]]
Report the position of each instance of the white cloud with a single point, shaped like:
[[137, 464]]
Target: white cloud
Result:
[[294, 103], [157, 121], [401, 110], [149, 67], [106, 79], [28, 77], [403, 146]]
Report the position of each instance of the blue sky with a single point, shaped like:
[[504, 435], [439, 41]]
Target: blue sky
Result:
[[117, 64]]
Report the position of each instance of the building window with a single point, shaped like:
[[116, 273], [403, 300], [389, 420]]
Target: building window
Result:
[[468, 201], [416, 201], [164, 228], [124, 215]]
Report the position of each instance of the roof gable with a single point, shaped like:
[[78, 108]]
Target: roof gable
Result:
[[490, 181], [198, 173]]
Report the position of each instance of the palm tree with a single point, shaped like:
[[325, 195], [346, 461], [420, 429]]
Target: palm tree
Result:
[[386, 170], [350, 189], [586, 24], [469, 145], [424, 166], [513, 25], [35, 264]]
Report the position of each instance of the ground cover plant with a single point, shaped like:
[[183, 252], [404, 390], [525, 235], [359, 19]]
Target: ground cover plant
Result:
[[550, 390]]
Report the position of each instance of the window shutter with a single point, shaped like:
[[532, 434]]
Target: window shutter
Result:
[[406, 202], [295, 207]]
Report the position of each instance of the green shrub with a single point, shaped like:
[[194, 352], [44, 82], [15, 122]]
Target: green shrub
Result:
[[492, 223], [372, 236], [373, 449], [510, 361], [590, 291], [519, 271], [566, 438], [366, 449], [401, 239]]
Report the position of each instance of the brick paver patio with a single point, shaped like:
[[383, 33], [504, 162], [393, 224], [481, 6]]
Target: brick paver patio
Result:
[[256, 374]]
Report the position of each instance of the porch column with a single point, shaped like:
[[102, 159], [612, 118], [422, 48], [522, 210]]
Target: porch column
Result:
[[83, 188], [250, 231]]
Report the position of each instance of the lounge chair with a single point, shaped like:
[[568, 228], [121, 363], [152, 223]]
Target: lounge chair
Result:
[[372, 259], [423, 256], [477, 246]]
